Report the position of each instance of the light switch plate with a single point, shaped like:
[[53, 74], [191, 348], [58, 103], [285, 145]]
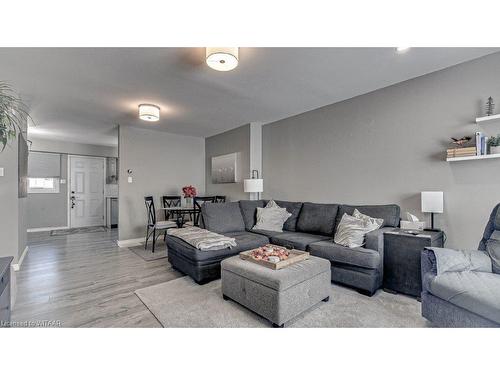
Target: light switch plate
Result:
[[1, 172], [129, 179], [62, 181]]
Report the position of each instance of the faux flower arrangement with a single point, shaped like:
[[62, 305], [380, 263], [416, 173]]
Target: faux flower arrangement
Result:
[[189, 191]]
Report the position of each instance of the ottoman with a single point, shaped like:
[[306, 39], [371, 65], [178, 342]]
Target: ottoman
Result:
[[277, 295]]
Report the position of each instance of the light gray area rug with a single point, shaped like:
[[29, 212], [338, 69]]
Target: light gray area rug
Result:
[[183, 303], [147, 254], [65, 232]]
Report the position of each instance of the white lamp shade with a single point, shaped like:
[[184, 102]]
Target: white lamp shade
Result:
[[222, 59], [432, 201], [149, 112], [253, 185]]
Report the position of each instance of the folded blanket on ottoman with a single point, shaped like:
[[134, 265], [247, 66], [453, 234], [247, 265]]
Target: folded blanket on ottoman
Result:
[[202, 239]]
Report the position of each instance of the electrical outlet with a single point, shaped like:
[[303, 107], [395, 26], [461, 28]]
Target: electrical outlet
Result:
[[1, 172]]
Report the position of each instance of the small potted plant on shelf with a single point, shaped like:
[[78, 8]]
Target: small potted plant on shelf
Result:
[[189, 193], [494, 144]]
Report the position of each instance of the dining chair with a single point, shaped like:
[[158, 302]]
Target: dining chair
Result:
[[170, 201], [154, 225], [197, 203], [220, 199]]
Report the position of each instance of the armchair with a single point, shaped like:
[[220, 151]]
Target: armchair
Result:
[[462, 288]]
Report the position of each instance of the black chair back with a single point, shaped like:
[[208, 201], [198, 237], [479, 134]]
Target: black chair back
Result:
[[170, 201], [150, 208], [220, 199], [197, 203]]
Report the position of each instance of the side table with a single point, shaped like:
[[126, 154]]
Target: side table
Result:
[[5, 291], [402, 270]]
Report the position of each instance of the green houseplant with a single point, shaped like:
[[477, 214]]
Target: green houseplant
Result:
[[13, 115], [494, 144]]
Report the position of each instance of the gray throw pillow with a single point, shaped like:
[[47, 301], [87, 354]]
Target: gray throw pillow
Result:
[[271, 218]]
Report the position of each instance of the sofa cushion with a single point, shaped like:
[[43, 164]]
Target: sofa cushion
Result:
[[244, 240], [355, 256], [297, 240], [249, 212], [477, 292], [294, 209], [317, 218], [389, 212], [223, 217]]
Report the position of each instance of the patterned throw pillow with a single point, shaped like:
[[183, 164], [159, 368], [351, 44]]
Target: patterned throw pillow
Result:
[[272, 217], [372, 220], [351, 230]]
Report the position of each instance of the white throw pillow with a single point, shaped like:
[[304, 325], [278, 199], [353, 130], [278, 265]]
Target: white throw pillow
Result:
[[272, 217], [372, 220], [351, 231]]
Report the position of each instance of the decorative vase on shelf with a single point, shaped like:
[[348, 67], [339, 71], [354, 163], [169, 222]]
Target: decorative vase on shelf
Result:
[[188, 201], [494, 149]]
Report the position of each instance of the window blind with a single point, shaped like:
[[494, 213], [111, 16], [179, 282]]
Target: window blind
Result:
[[44, 165]]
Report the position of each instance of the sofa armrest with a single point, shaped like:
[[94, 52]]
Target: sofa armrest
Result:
[[374, 240]]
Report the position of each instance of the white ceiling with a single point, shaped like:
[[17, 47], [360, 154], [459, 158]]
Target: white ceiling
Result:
[[81, 94]]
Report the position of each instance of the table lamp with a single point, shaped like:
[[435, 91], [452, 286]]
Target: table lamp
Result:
[[254, 184], [432, 201]]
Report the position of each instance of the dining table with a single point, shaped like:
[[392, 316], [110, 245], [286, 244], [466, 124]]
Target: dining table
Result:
[[180, 212]]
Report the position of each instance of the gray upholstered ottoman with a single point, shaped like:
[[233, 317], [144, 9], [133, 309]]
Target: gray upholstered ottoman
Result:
[[277, 295]]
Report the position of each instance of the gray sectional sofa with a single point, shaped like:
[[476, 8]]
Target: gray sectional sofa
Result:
[[311, 227], [468, 294]]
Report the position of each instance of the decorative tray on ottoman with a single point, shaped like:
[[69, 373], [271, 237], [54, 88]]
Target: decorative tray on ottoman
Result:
[[274, 257]]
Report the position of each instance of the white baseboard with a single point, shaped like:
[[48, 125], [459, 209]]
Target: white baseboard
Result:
[[131, 242], [48, 229], [17, 266]]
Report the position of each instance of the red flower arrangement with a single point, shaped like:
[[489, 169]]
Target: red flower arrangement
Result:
[[189, 191]]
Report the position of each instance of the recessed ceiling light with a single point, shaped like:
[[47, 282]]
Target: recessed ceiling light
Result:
[[149, 112], [402, 49], [222, 59]]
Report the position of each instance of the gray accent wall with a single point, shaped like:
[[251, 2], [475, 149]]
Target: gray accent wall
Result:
[[62, 147], [389, 145], [161, 163], [51, 210], [236, 140]]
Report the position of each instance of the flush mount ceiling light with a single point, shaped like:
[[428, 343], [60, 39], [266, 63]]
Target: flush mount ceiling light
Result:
[[149, 112], [402, 49], [222, 59]]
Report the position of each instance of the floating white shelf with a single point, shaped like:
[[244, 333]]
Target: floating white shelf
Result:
[[480, 157], [488, 118]]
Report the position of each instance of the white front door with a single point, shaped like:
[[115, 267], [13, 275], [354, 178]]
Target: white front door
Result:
[[86, 203]]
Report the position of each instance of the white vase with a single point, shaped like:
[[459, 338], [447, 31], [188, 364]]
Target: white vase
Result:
[[494, 149]]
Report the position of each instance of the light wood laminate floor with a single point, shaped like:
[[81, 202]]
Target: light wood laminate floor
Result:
[[86, 280]]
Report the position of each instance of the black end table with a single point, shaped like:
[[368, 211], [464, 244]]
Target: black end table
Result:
[[402, 251]]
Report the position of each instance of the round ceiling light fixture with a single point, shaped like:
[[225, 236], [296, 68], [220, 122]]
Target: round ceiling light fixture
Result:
[[402, 49], [222, 59], [149, 112]]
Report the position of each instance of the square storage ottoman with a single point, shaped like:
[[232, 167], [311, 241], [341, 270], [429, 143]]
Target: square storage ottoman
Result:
[[277, 295]]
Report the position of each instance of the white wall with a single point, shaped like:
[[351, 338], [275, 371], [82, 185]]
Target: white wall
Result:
[[389, 145], [161, 163]]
